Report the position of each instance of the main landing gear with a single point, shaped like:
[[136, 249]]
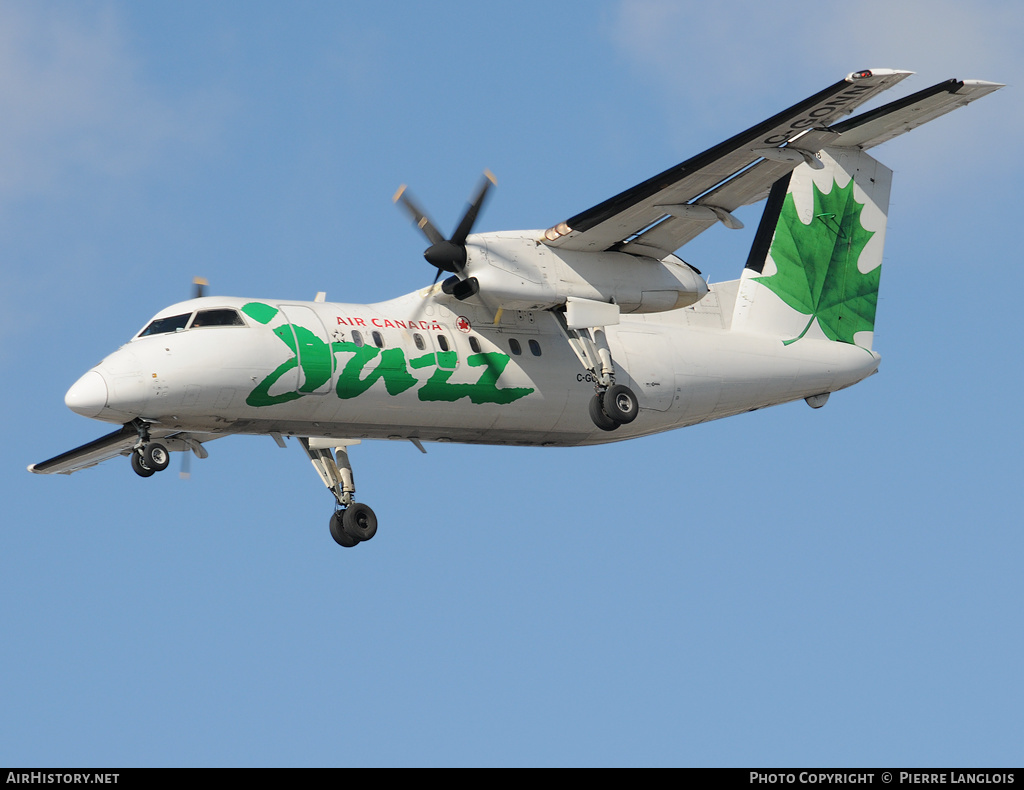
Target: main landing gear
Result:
[[613, 404], [351, 525], [616, 406], [352, 522]]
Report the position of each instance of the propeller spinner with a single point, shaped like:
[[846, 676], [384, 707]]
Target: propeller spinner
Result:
[[449, 255]]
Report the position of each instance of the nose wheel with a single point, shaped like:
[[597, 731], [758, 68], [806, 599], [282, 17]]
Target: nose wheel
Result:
[[149, 459], [139, 466]]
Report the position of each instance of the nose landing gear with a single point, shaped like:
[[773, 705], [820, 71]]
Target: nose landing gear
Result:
[[148, 457], [139, 466], [156, 457]]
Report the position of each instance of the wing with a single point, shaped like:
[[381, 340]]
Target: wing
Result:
[[692, 196], [753, 184], [120, 442]]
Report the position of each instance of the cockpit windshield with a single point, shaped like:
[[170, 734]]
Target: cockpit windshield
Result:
[[224, 316], [163, 325]]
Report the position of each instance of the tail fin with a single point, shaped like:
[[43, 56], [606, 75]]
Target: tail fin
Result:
[[814, 267]]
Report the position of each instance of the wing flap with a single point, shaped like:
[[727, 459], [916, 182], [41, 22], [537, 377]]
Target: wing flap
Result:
[[750, 186]]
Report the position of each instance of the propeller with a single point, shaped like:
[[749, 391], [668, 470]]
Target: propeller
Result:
[[449, 255], [198, 289]]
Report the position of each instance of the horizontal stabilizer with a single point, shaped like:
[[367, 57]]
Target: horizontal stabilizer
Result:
[[893, 119]]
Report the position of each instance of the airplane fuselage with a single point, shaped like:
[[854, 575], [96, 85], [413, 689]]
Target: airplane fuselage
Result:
[[427, 367]]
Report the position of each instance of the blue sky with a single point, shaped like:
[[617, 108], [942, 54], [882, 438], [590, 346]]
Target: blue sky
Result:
[[791, 587]]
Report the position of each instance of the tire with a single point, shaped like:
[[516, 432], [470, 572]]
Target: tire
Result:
[[620, 404], [156, 457], [359, 521], [601, 420], [139, 467], [341, 537]]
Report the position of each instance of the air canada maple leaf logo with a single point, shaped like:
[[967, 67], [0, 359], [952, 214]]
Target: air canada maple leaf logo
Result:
[[817, 265]]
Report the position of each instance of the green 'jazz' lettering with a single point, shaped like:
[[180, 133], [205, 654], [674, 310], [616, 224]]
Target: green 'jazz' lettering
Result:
[[484, 390], [315, 361], [391, 368], [260, 396]]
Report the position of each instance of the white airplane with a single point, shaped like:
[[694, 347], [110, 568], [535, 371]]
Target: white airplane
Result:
[[588, 332]]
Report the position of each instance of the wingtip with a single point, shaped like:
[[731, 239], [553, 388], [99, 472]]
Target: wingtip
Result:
[[864, 74]]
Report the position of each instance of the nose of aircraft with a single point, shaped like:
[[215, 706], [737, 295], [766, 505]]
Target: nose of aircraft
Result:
[[88, 395]]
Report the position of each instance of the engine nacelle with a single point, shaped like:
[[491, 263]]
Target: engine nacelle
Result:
[[519, 272]]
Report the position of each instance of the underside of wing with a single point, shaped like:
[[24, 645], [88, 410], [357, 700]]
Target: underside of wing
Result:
[[120, 442], [681, 197]]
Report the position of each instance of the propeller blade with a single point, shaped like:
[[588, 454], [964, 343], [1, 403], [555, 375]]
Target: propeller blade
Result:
[[198, 286], [418, 217], [186, 465], [448, 255], [466, 225]]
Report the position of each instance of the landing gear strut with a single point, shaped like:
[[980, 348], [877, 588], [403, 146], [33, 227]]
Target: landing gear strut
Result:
[[613, 404], [352, 522]]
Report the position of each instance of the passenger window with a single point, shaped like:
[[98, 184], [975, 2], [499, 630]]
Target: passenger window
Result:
[[164, 325], [513, 344], [357, 337], [442, 342], [535, 348], [223, 317], [417, 338], [378, 340], [474, 344]]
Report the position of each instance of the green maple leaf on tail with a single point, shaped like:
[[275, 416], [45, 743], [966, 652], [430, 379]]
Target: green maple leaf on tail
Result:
[[817, 265]]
